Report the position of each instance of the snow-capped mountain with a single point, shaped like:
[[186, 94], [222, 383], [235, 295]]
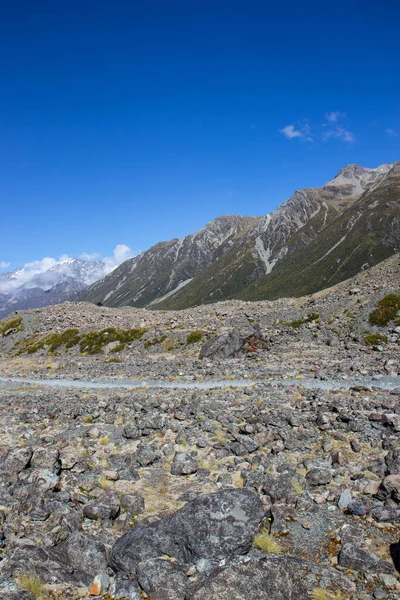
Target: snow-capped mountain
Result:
[[26, 288]]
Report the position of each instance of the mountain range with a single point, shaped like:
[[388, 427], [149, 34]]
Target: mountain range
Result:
[[317, 238], [25, 288]]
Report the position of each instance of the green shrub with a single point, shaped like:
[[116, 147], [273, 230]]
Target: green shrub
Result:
[[386, 311], [311, 317], [155, 341], [373, 339], [11, 324], [194, 337], [94, 341], [89, 343], [68, 338]]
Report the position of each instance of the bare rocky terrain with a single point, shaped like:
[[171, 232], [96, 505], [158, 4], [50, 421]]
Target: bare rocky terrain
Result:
[[287, 489]]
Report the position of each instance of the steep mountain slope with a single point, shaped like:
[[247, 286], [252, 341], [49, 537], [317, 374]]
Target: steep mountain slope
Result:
[[169, 266], [313, 240]]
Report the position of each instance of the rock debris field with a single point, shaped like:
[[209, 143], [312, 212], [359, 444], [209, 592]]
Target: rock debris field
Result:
[[277, 492]]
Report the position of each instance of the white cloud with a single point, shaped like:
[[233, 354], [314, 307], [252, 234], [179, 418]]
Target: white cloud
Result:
[[40, 266], [92, 256], [290, 132], [391, 132], [121, 253], [339, 133], [330, 127], [4, 264], [334, 116]]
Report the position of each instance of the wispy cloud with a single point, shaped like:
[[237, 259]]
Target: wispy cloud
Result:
[[92, 256], [334, 116], [290, 132], [339, 133], [391, 132], [4, 264], [331, 127]]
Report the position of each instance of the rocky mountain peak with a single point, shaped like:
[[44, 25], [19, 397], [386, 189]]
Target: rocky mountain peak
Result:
[[358, 179]]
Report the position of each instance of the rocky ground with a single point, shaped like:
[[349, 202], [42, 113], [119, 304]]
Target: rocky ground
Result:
[[282, 493]]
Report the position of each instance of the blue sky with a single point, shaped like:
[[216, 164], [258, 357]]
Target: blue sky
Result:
[[131, 122]]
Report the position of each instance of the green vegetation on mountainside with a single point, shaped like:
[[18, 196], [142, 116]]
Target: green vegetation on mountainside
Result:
[[339, 252], [386, 311], [89, 343]]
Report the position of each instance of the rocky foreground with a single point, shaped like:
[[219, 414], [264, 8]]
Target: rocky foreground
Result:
[[278, 493]]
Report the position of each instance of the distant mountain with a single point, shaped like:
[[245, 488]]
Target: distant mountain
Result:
[[20, 289], [315, 239], [169, 266]]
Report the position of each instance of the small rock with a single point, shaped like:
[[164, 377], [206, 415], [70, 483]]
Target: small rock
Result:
[[100, 584], [345, 499], [183, 464], [319, 477]]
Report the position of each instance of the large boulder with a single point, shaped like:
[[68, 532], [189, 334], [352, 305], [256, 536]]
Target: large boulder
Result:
[[162, 578], [233, 343], [43, 564], [285, 487], [83, 552], [356, 558], [275, 579], [217, 525], [15, 460]]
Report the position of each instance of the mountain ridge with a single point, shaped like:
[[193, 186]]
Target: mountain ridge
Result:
[[285, 252]]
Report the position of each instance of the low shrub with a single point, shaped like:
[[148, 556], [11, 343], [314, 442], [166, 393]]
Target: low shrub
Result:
[[194, 337], [373, 339], [68, 338], [11, 324], [155, 341], [311, 317], [94, 341], [386, 311]]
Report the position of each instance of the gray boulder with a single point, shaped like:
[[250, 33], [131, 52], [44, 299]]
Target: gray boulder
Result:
[[146, 455], [126, 589], [285, 487], [319, 476], [217, 525], [233, 343], [356, 558], [82, 552], [183, 464], [162, 578], [133, 503], [15, 460], [43, 564], [265, 580]]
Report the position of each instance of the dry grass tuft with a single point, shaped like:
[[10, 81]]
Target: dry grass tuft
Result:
[[266, 543], [31, 583], [323, 594]]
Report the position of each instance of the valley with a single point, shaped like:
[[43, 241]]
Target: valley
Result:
[[162, 454]]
